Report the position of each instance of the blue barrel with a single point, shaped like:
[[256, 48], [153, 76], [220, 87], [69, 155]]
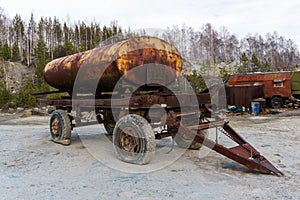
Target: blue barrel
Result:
[[255, 107]]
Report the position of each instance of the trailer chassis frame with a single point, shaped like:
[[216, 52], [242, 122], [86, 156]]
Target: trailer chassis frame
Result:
[[244, 153]]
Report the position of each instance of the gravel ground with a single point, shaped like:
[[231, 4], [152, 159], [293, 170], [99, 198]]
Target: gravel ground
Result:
[[33, 167]]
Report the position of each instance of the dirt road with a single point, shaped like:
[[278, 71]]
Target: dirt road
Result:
[[33, 167]]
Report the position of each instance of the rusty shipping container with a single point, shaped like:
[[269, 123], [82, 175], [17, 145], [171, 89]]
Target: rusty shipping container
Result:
[[276, 84], [243, 95], [112, 62]]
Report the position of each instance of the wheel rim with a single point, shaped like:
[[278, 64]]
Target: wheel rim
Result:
[[276, 103], [129, 142], [56, 127]]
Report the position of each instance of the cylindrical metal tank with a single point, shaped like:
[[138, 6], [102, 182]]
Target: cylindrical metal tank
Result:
[[108, 64]]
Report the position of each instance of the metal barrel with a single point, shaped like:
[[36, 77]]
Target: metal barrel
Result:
[[112, 62]]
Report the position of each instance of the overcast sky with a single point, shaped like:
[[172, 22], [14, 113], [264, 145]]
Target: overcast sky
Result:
[[240, 17]]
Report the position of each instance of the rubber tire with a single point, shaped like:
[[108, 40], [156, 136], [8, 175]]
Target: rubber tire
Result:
[[187, 143], [65, 123], [146, 138], [276, 102]]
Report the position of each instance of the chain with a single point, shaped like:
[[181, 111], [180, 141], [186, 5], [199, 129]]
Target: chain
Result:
[[225, 133], [249, 149]]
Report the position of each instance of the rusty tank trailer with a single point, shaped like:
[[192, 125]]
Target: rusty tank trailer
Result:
[[130, 118], [113, 62]]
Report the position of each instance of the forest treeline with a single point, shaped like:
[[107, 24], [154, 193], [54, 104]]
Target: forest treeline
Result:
[[252, 53], [37, 42]]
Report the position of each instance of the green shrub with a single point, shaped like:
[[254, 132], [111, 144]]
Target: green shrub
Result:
[[196, 81], [24, 97], [4, 95]]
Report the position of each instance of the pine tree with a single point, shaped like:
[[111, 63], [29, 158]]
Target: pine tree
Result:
[[255, 64], [69, 48], [41, 59], [76, 38], [196, 81], [266, 67], [18, 27], [244, 67], [58, 33], [4, 94], [82, 36], [81, 47], [31, 35], [96, 33], [6, 52], [15, 53]]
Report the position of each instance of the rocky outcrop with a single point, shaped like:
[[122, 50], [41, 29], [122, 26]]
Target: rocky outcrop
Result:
[[14, 74]]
